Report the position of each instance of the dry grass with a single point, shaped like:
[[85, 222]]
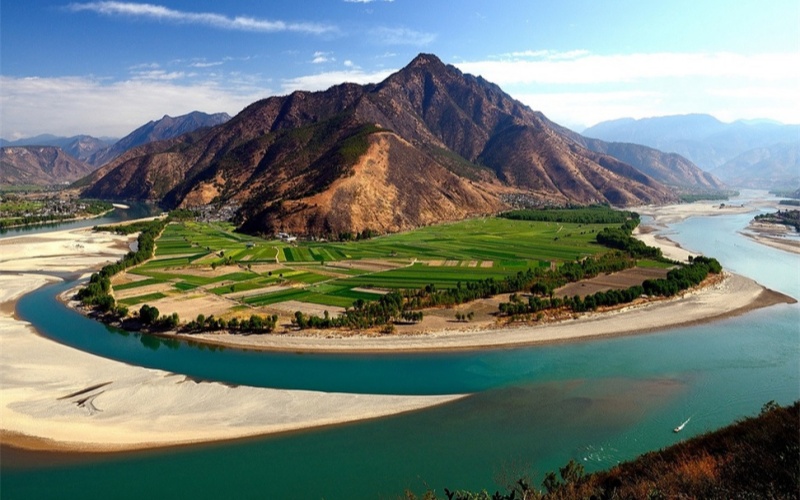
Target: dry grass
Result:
[[616, 281]]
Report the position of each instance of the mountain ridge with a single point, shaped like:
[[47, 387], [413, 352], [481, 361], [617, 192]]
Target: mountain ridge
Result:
[[706, 141], [93, 152], [40, 165], [283, 159]]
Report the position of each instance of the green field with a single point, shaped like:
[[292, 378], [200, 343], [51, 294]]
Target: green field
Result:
[[317, 272]]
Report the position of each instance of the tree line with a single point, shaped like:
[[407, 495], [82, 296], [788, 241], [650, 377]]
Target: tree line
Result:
[[55, 212], [97, 293], [789, 218], [595, 214], [622, 239], [253, 324]]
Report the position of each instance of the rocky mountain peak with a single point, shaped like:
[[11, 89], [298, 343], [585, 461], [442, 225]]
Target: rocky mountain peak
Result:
[[429, 144]]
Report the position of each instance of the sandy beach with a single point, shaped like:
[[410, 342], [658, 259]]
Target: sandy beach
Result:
[[774, 235], [56, 397]]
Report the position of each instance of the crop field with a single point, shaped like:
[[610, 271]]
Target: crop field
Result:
[[251, 272], [476, 239]]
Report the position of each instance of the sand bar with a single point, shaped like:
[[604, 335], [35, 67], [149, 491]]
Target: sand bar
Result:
[[774, 235], [57, 397], [671, 214]]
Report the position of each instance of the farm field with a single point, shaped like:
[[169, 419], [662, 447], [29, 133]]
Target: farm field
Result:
[[193, 260]]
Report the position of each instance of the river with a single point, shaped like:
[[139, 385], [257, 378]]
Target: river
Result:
[[598, 401]]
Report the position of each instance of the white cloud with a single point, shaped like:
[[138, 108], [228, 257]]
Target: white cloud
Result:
[[578, 110], [142, 66], [545, 54], [161, 13], [82, 105], [402, 36], [159, 74], [322, 57], [204, 64], [574, 89], [323, 81], [585, 68], [580, 88]]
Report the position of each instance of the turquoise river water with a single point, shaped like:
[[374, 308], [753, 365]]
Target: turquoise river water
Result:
[[531, 410]]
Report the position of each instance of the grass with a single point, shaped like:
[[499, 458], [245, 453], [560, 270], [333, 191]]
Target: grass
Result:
[[138, 284], [476, 239], [475, 249], [419, 275], [652, 264], [140, 299]]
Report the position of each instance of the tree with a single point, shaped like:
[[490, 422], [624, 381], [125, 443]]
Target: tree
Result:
[[173, 321], [148, 315], [550, 482], [572, 472]]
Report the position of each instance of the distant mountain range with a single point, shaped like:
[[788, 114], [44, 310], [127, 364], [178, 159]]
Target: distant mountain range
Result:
[[772, 167], [426, 145], [39, 165], [159, 130], [80, 147], [754, 153], [85, 153]]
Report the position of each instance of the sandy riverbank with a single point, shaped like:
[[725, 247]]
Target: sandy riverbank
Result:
[[68, 251], [671, 214], [774, 235], [56, 397], [731, 296]]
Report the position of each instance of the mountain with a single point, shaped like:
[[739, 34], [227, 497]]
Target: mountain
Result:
[[81, 147], [703, 139], [775, 166], [41, 165], [97, 152], [671, 169], [159, 130], [426, 145]]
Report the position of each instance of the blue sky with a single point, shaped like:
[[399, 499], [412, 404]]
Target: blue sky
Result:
[[105, 67]]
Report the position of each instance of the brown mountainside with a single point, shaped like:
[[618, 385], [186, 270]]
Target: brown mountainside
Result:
[[40, 165], [671, 169], [428, 144]]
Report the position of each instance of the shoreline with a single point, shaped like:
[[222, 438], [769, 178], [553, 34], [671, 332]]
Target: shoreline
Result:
[[62, 221], [732, 296], [776, 236], [58, 398]]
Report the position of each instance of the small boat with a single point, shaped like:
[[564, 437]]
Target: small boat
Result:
[[680, 427]]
